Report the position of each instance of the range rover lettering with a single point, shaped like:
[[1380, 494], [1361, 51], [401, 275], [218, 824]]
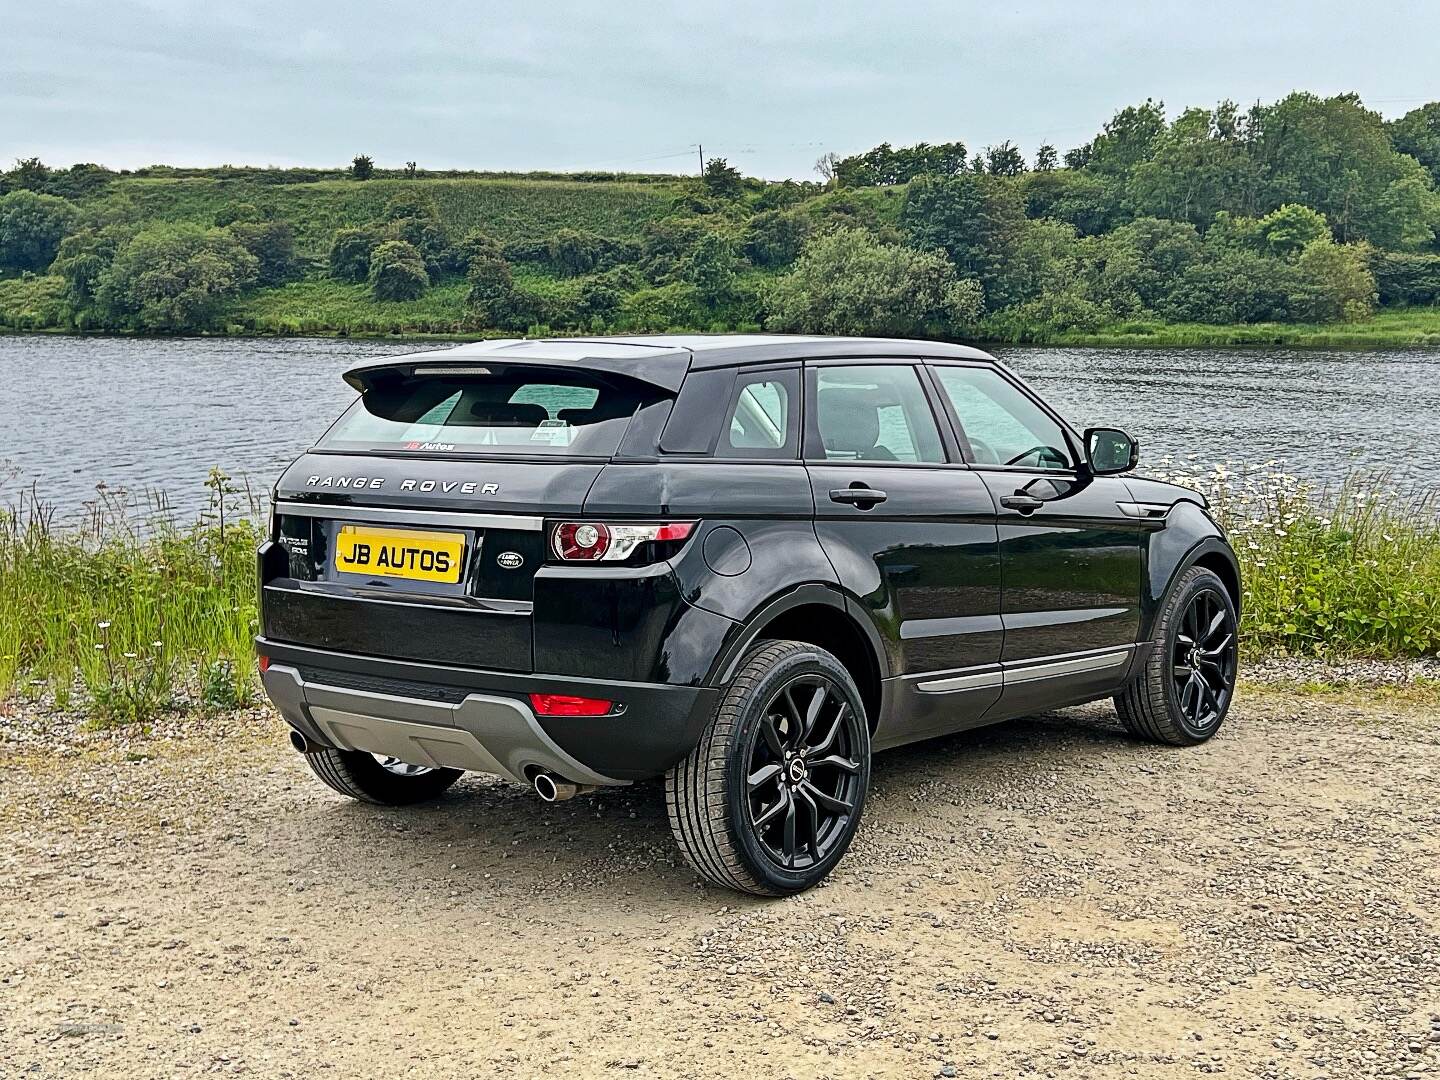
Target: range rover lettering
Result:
[[742, 563]]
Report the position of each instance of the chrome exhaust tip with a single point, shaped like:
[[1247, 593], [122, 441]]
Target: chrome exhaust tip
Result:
[[301, 744], [552, 788]]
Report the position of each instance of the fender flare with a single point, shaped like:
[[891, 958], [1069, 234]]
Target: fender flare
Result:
[[1207, 545], [814, 593]]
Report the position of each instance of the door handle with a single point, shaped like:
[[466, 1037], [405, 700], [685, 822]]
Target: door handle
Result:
[[858, 495], [1026, 504]]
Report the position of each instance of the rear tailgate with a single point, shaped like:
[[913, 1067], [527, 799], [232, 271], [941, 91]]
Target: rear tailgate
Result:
[[363, 561]]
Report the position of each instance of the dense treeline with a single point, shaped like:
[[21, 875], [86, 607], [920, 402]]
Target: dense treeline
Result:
[[1312, 210]]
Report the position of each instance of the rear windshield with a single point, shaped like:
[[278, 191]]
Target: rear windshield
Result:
[[554, 413]]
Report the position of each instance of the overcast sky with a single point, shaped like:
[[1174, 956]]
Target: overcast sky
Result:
[[613, 84]]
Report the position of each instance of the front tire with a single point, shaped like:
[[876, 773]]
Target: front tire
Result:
[[383, 781], [770, 798], [1182, 694]]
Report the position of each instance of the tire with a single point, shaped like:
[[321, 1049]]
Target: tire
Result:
[[363, 776], [784, 833], [1182, 693]]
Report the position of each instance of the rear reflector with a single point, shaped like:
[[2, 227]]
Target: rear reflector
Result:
[[569, 705], [264, 664]]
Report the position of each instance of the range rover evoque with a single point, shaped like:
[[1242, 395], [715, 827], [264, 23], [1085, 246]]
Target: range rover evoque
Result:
[[741, 563]]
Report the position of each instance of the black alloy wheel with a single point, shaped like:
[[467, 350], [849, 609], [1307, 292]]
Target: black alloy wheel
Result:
[[769, 799], [1180, 693], [1202, 660], [803, 779]]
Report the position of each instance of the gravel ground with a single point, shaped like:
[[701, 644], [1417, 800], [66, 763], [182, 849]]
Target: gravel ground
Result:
[[1042, 898]]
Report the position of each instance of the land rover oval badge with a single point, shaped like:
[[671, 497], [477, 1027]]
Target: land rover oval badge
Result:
[[510, 560]]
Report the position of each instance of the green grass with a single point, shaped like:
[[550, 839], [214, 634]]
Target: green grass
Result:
[[506, 209], [122, 621], [1348, 572], [126, 622], [1395, 328], [324, 306], [32, 303]]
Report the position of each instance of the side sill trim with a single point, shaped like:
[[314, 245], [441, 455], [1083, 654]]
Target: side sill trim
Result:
[[1028, 671], [1095, 662], [401, 515]]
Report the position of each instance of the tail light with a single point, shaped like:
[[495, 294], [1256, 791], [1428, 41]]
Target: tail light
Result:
[[593, 541]]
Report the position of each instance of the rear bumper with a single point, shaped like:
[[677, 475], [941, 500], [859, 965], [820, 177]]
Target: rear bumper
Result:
[[481, 721]]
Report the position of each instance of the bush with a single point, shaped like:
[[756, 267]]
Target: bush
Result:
[[1404, 278], [31, 228], [712, 266], [397, 271], [848, 283], [350, 254], [174, 278], [1333, 282], [775, 238], [491, 286], [273, 245], [572, 252]]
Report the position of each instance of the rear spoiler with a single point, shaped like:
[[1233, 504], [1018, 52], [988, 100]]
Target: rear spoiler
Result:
[[662, 366]]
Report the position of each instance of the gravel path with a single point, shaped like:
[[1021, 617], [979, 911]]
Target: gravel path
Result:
[[1039, 898]]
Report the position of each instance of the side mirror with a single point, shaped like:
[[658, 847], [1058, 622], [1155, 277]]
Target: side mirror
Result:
[[1110, 450]]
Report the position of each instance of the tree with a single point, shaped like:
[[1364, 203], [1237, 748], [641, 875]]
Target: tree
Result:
[[1045, 158], [83, 257], [350, 254], [491, 284], [1333, 281], [886, 165], [712, 267], [397, 271], [825, 165], [975, 220], [174, 277], [1198, 166], [31, 228], [1128, 138], [1417, 134], [1004, 160], [721, 180], [362, 167], [1292, 227], [572, 252], [273, 245], [410, 170], [1335, 156], [846, 282], [29, 174]]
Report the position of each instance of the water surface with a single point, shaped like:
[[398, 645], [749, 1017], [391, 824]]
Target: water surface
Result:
[[142, 414]]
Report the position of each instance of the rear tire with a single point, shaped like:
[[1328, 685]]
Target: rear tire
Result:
[[770, 798], [360, 776], [1182, 693]]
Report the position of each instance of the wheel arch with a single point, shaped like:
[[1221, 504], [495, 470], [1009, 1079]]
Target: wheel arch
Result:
[[1168, 563], [817, 615]]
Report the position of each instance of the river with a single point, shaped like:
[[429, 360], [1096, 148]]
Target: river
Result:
[[155, 414]]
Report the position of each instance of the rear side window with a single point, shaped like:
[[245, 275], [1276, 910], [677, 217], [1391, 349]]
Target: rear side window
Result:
[[875, 413], [762, 420], [511, 411]]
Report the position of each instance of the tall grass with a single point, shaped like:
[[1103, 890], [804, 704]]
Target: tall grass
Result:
[[1353, 570], [130, 611]]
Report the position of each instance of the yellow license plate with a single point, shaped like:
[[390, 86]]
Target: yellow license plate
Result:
[[415, 554]]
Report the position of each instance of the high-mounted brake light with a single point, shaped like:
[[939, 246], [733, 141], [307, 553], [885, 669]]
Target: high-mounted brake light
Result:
[[569, 705], [592, 541]]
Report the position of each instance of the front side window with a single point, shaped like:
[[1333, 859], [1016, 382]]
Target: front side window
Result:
[[875, 413], [509, 412], [999, 424]]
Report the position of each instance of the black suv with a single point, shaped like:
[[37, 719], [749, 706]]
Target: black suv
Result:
[[741, 563]]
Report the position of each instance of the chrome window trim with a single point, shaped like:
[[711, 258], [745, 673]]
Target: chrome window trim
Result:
[[405, 515]]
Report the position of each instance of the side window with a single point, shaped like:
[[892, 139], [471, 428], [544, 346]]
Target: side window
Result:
[[762, 419], [1001, 425], [875, 413]]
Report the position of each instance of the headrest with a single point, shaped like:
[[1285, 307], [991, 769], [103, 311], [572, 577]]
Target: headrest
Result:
[[849, 419]]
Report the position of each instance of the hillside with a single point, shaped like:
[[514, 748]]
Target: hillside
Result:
[[1296, 221]]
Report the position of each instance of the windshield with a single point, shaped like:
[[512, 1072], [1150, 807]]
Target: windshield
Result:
[[508, 412]]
